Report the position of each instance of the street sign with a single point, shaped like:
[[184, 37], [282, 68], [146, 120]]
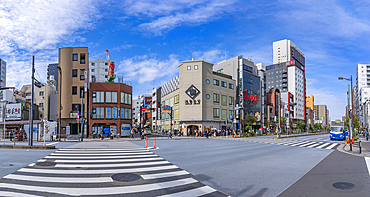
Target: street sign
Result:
[[166, 108]]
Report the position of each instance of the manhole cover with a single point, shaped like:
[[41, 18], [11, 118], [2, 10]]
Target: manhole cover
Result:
[[343, 185], [46, 163], [11, 165], [126, 177]]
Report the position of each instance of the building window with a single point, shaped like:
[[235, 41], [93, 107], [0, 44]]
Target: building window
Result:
[[76, 107], [98, 112], [216, 82], [224, 114], [126, 113], [111, 97], [223, 84], [106, 76], [196, 67], [106, 70], [41, 105], [231, 101], [82, 74], [125, 98], [92, 64], [176, 114], [74, 57], [177, 100], [207, 96], [74, 90], [93, 79], [92, 70], [189, 67], [41, 93], [231, 113], [216, 99], [216, 113], [231, 86], [224, 100], [82, 58], [74, 73], [207, 81], [97, 97]]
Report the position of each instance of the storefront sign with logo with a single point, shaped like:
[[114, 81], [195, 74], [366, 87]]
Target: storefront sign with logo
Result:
[[192, 102], [192, 92], [166, 108], [13, 111], [249, 95]]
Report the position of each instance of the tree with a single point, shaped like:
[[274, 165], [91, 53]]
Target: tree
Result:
[[310, 127], [250, 119], [356, 123], [300, 125]]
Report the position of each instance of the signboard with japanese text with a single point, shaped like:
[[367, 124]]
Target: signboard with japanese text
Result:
[[13, 111]]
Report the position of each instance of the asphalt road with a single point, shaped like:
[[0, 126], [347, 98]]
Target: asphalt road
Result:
[[240, 168]]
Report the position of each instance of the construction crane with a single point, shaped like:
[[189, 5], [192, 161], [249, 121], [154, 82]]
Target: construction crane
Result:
[[111, 75]]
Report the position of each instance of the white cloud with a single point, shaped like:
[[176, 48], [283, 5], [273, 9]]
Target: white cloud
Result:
[[146, 69], [171, 15], [212, 56], [36, 28]]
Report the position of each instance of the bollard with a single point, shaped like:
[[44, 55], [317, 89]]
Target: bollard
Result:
[[359, 145], [146, 142], [154, 142]]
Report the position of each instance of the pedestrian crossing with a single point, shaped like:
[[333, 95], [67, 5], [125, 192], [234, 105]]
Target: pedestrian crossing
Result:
[[296, 143], [131, 171]]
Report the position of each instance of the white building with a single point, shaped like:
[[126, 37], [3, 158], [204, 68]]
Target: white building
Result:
[[98, 70], [2, 73], [136, 110], [285, 51]]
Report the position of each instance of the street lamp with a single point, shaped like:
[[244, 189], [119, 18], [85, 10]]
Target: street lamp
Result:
[[350, 112]]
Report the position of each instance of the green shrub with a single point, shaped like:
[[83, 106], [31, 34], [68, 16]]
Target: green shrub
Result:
[[355, 138], [253, 133], [245, 134]]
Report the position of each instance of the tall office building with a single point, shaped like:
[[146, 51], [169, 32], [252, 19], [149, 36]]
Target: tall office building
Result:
[[288, 74], [362, 93], [322, 113], [310, 101], [2, 73], [73, 63]]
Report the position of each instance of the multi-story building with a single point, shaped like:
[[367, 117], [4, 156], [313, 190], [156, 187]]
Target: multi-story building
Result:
[[98, 70], [53, 74], [44, 97], [199, 97], [321, 113], [72, 62], [146, 116], [136, 111], [285, 51], [156, 112], [250, 88], [111, 107], [310, 102], [2, 73]]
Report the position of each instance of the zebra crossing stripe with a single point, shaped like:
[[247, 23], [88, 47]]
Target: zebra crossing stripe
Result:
[[101, 157], [5, 193], [331, 146], [102, 190], [164, 175], [305, 145], [104, 161], [143, 153], [59, 179], [299, 143], [101, 149], [105, 151], [313, 145], [110, 165], [323, 145], [194, 192], [114, 171]]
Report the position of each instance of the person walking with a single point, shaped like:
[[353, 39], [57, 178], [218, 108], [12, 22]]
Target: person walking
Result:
[[169, 133], [102, 135], [367, 135], [207, 133], [132, 133], [11, 135]]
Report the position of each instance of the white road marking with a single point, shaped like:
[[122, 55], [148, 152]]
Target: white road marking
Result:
[[4, 193], [110, 165], [41, 160], [299, 144], [331, 146], [52, 143], [317, 144], [94, 149], [114, 171], [194, 192], [164, 175], [147, 153], [323, 145], [102, 190], [104, 151], [60, 179], [32, 164], [106, 161], [101, 157], [367, 160], [305, 145]]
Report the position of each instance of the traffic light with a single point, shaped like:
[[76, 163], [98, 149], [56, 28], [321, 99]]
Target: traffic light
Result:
[[91, 117], [47, 128]]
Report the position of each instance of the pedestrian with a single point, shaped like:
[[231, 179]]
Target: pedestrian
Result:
[[169, 133], [102, 135], [367, 135], [207, 133], [11, 135], [132, 133]]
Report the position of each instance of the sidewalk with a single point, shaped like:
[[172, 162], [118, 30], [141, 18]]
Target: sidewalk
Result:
[[365, 147]]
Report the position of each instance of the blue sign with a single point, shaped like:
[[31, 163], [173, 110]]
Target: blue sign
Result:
[[114, 113], [108, 112]]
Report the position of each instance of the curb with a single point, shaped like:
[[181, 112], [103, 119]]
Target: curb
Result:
[[27, 147], [341, 147], [300, 135]]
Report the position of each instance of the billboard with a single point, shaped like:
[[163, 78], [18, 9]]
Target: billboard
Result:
[[13, 111]]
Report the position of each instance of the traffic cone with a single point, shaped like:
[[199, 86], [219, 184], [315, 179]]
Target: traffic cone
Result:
[[353, 141]]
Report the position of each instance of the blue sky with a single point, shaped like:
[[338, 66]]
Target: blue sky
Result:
[[149, 39]]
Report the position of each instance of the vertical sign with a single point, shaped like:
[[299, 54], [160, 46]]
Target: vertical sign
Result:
[[108, 112], [118, 113], [114, 113], [1, 111], [85, 87]]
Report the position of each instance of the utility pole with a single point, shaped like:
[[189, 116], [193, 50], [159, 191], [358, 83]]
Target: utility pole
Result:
[[30, 142], [349, 121], [82, 118]]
